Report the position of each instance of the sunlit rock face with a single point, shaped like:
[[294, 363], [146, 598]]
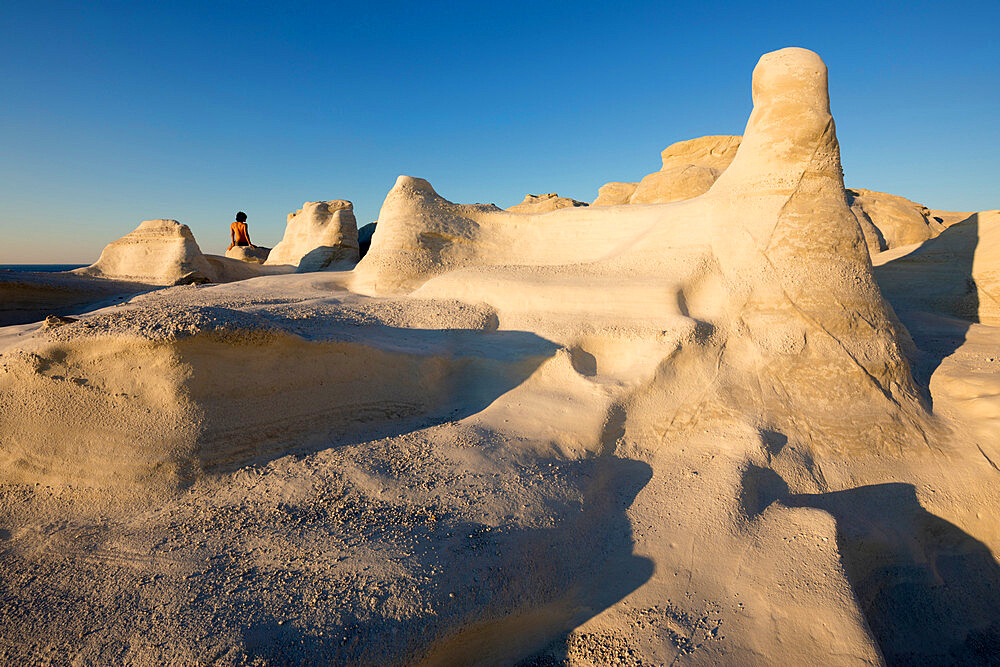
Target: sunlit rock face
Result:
[[544, 203], [770, 257], [890, 221], [614, 194], [321, 235], [794, 257], [160, 252], [713, 152], [689, 169]]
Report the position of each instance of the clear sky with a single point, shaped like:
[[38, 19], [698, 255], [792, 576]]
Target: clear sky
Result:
[[116, 112]]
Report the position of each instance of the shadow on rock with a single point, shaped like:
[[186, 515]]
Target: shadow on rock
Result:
[[365, 383], [929, 591], [27, 296], [929, 289], [498, 596]]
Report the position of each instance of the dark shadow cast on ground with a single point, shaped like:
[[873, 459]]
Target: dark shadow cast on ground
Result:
[[929, 591], [356, 385], [504, 596]]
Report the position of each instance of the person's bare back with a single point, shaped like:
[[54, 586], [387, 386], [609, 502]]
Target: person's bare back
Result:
[[239, 233]]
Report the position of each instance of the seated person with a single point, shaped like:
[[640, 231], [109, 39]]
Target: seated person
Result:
[[239, 233]]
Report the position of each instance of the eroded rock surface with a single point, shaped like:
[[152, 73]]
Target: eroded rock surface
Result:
[[158, 252], [689, 169], [787, 274], [320, 235], [889, 221], [956, 273], [614, 194], [544, 203]]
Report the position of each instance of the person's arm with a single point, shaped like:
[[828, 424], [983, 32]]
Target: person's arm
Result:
[[249, 242], [232, 238]]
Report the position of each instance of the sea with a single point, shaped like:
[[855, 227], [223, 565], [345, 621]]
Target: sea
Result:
[[42, 268]]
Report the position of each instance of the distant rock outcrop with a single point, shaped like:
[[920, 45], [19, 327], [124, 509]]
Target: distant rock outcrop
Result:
[[675, 184], [251, 254], [320, 235], [544, 203], [614, 193], [689, 169], [890, 221], [158, 252], [713, 152]]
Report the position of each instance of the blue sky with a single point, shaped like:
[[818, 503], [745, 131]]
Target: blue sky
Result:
[[112, 113]]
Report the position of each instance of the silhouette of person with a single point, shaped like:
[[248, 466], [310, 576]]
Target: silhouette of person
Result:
[[239, 233]]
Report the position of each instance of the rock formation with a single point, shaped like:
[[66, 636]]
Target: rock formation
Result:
[[253, 255], [158, 252], [614, 193], [793, 255], [321, 235], [544, 203], [712, 152], [674, 184], [788, 275], [689, 169], [419, 233], [889, 221]]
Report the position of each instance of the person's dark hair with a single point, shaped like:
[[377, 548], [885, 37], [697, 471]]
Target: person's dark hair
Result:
[[241, 217]]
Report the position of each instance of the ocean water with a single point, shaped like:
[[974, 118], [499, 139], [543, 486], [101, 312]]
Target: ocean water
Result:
[[43, 268]]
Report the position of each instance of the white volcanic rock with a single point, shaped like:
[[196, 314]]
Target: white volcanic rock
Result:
[[714, 152], [320, 235], [544, 203], [229, 270], [898, 220], [689, 169], [614, 194], [245, 253], [674, 184], [419, 233], [787, 274], [792, 254], [159, 252]]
